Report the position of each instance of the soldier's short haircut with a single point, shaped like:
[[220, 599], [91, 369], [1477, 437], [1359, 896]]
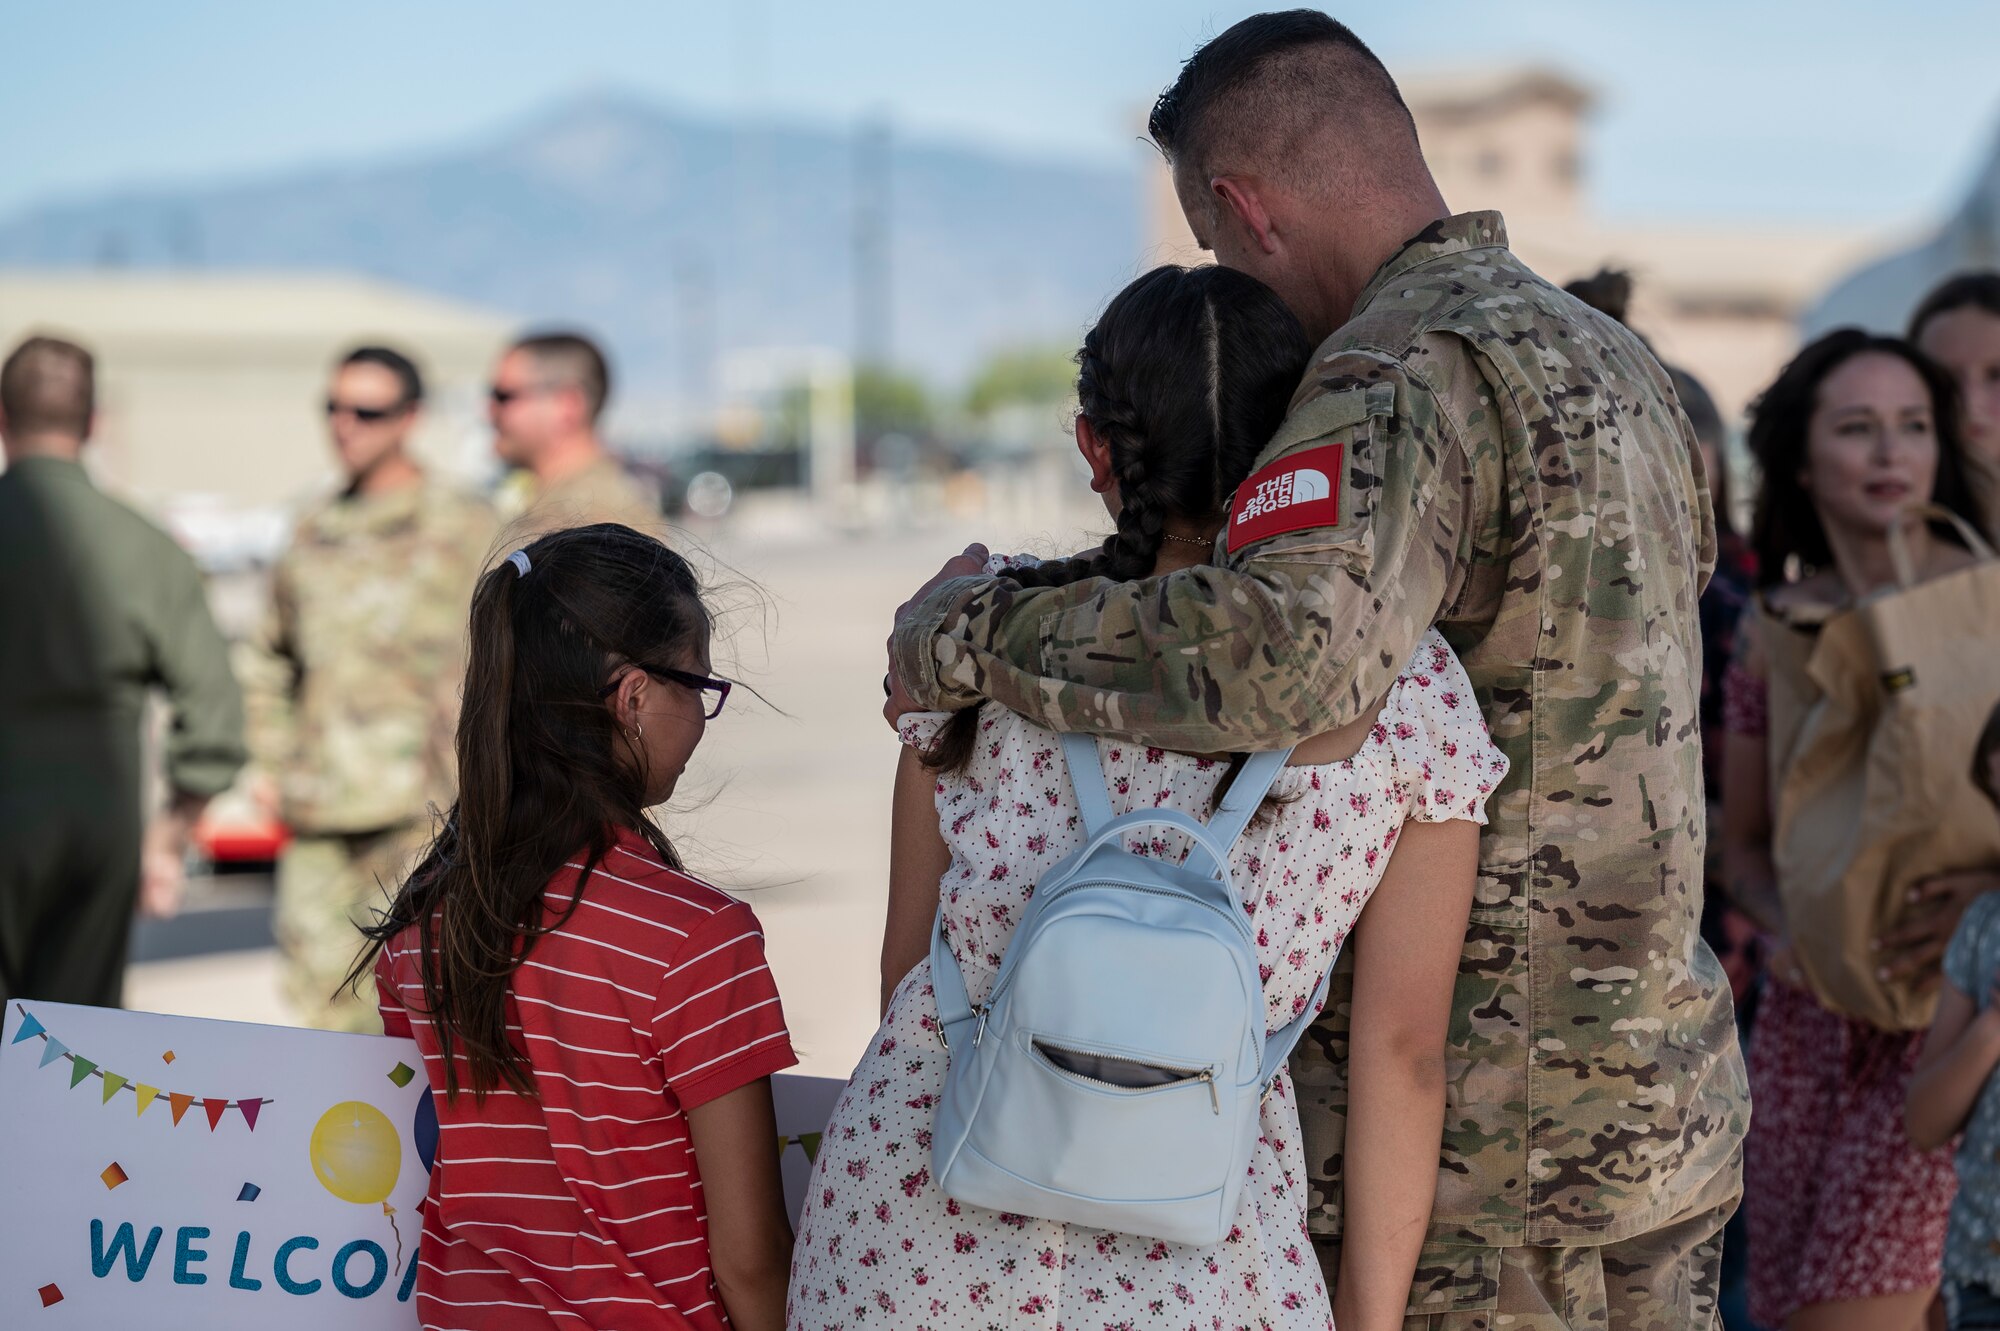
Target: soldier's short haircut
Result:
[[1253, 96], [49, 386], [572, 360], [396, 363]]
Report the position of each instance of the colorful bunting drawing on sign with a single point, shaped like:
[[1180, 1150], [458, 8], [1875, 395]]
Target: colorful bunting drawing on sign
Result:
[[114, 1174], [81, 1068], [808, 1142]]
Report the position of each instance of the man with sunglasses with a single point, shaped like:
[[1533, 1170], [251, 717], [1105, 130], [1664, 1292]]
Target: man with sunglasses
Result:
[[352, 679], [547, 394]]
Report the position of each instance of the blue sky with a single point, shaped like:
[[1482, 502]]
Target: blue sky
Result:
[[1834, 111]]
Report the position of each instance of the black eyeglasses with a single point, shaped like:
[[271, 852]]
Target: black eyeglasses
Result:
[[366, 415], [699, 683]]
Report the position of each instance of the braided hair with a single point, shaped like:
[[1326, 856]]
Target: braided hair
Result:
[[1185, 377]]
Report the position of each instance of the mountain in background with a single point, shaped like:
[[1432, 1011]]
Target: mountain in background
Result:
[[678, 238]]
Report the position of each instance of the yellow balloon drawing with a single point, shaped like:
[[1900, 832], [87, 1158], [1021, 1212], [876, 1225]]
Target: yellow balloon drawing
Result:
[[356, 1153]]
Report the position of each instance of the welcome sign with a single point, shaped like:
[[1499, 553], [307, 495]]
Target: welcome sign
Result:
[[171, 1172]]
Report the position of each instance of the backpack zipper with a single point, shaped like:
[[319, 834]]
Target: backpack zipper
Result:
[[1206, 1076]]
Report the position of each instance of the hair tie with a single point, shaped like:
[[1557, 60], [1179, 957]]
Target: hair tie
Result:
[[519, 559]]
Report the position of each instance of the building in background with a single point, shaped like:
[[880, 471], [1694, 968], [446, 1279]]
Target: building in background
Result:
[[211, 385], [1722, 300]]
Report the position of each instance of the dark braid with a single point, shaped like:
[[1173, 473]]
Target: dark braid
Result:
[[1130, 552], [1184, 379], [1142, 515]]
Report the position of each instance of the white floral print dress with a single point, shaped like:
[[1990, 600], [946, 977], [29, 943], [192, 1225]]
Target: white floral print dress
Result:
[[879, 1246]]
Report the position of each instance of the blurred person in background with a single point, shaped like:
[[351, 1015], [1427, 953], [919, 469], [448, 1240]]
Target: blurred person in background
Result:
[[1846, 1219], [1958, 326], [352, 680], [1954, 1090], [99, 607], [1731, 933], [548, 392]]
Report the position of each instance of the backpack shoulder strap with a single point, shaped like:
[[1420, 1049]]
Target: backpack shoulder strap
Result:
[[1279, 1044], [1239, 804], [1086, 774], [954, 1005]]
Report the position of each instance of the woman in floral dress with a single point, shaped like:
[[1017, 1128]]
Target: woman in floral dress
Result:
[[1183, 379]]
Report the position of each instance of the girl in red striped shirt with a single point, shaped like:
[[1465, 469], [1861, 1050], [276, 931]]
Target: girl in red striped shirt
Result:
[[599, 1028]]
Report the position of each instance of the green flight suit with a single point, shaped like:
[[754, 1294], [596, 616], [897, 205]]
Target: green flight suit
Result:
[[97, 607]]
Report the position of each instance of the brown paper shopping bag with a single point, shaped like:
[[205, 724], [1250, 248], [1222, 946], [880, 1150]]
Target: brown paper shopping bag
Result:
[[1871, 759]]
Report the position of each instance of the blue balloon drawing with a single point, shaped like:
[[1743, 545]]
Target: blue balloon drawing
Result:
[[425, 1130]]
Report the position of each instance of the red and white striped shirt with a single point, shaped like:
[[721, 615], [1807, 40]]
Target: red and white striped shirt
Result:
[[583, 1207]]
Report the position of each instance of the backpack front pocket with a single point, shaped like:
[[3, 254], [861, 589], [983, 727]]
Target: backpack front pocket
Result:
[[1122, 1072]]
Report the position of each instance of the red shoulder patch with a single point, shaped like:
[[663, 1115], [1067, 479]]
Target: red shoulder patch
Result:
[[1292, 494]]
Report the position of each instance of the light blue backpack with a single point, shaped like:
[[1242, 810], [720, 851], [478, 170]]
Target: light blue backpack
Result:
[[1114, 1076]]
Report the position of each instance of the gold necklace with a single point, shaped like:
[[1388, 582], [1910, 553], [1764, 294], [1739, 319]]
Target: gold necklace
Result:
[[1205, 542]]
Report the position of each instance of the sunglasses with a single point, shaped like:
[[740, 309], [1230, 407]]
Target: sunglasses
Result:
[[500, 397], [699, 683], [366, 415]]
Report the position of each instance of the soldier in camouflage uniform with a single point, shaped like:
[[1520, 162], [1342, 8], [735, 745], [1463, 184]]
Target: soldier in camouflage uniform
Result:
[[352, 681], [1508, 464], [548, 392]]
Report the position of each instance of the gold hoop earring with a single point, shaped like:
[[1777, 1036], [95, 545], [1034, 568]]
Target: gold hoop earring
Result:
[[638, 730]]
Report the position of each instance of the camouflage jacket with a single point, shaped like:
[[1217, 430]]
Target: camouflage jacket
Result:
[[1515, 468], [602, 492], [352, 678]]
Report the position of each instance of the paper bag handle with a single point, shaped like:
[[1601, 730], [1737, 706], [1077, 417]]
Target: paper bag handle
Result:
[[1899, 542]]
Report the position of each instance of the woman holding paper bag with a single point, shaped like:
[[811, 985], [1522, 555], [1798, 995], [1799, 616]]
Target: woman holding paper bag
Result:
[[1841, 759]]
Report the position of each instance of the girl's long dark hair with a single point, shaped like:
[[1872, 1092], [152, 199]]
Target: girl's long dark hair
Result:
[[539, 777], [1185, 378], [1786, 525]]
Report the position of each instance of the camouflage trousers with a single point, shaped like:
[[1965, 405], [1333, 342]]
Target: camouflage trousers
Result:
[[327, 886], [1666, 1279]]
